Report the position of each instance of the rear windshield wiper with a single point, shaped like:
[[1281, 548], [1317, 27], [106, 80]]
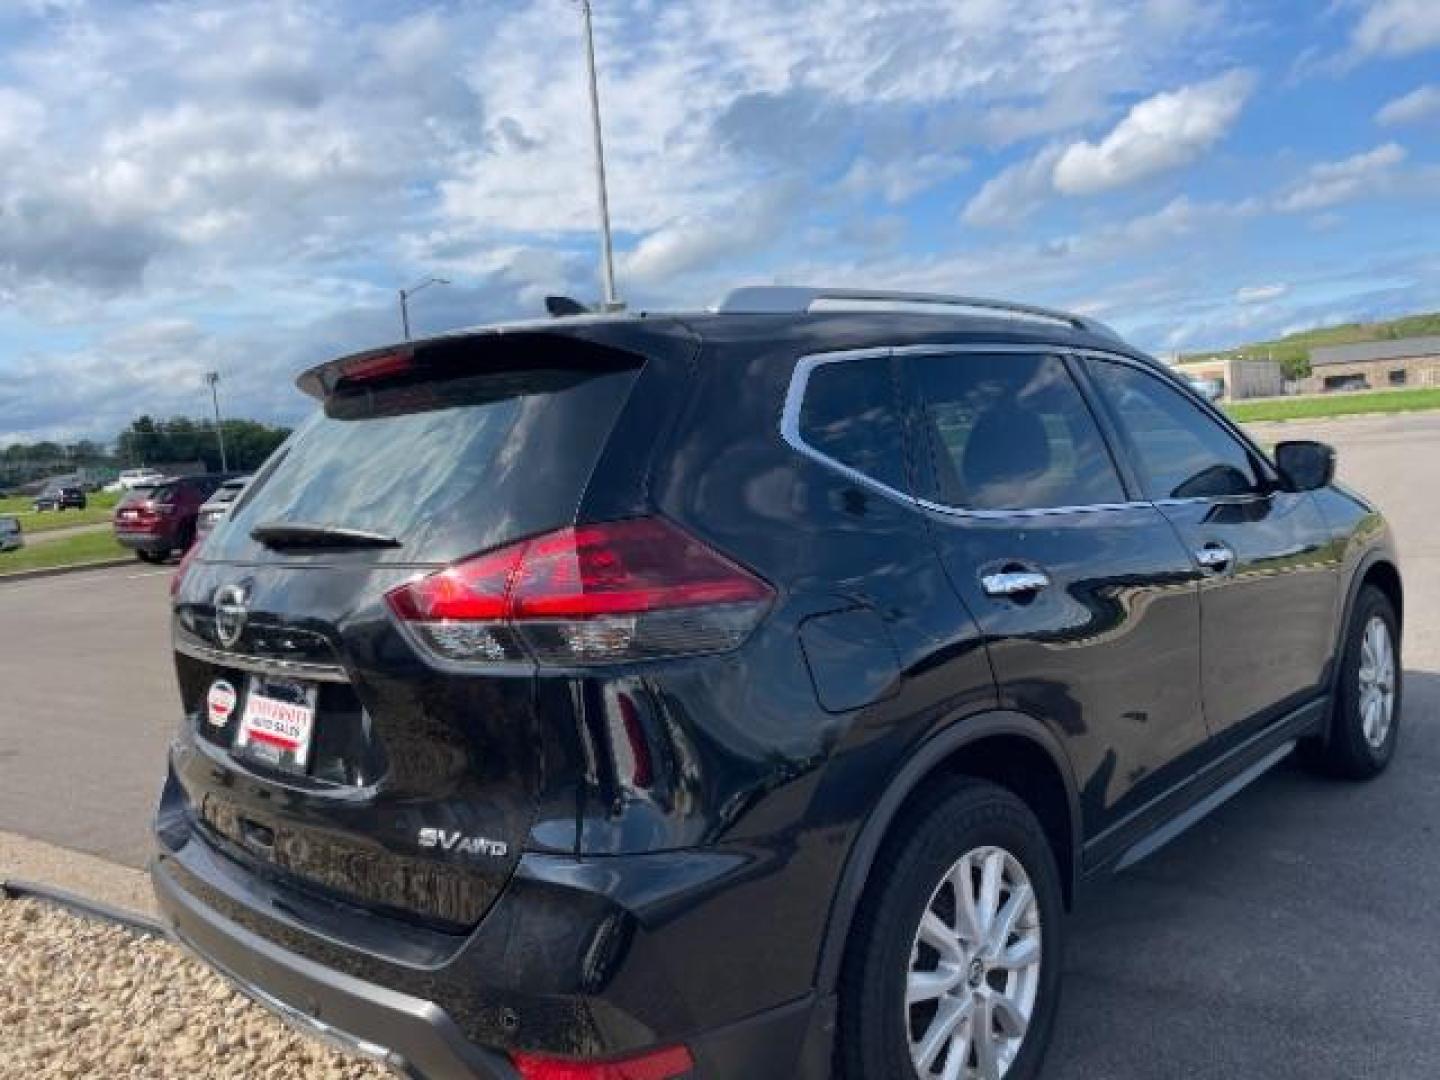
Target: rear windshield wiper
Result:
[[294, 534]]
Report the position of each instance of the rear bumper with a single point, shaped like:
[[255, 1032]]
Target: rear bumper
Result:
[[589, 960], [144, 541], [411, 1035]]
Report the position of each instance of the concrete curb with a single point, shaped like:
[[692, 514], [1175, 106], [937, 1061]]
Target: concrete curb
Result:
[[56, 571], [89, 909]]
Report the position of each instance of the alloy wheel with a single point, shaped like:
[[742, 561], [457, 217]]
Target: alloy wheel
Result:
[[1377, 682], [974, 969]]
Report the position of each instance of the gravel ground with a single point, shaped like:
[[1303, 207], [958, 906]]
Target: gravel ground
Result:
[[85, 999]]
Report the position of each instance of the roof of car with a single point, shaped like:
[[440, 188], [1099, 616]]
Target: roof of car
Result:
[[811, 318]]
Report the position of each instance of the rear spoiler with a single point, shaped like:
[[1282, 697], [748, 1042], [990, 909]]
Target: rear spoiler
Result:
[[499, 349]]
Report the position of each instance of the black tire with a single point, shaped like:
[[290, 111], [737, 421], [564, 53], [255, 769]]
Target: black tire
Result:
[[1345, 751], [875, 1026], [152, 556]]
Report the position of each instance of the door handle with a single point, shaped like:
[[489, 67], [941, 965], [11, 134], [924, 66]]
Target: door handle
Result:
[[1014, 583], [1214, 556]]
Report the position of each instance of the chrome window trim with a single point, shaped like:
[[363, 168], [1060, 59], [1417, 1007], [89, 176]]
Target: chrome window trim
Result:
[[795, 399], [260, 665]]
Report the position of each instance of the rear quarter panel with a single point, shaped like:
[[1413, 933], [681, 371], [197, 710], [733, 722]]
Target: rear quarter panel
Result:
[[749, 758]]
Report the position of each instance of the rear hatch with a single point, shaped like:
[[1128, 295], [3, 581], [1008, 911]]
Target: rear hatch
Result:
[[136, 511], [325, 751]]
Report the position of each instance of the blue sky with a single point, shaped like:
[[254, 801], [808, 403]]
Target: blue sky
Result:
[[242, 185]]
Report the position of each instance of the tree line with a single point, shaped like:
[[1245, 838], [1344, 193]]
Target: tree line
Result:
[[146, 441]]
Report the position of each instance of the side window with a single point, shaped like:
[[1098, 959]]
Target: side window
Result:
[[849, 415], [1009, 432], [1180, 452]]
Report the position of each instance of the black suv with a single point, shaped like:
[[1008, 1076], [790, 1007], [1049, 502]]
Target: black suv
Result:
[[745, 693], [61, 498]]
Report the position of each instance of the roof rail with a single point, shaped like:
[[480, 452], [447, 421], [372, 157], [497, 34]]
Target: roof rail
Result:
[[800, 299]]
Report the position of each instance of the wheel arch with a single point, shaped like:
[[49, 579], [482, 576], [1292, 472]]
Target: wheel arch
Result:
[[1385, 575], [1377, 569], [1011, 749]]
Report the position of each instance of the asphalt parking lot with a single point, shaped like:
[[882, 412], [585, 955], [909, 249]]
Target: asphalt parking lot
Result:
[[1294, 933], [87, 705]]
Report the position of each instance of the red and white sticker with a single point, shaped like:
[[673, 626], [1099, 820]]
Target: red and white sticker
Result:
[[220, 702], [281, 725]]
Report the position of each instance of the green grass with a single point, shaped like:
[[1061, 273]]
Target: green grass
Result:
[[101, 507], [91, 547], [1336, 404]]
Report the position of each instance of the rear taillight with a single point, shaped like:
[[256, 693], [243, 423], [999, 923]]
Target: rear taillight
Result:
[[671, 1063], [639, 589]]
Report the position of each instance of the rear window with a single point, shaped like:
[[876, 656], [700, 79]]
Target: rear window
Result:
[[227, 493], [448, 467], [849, 415]]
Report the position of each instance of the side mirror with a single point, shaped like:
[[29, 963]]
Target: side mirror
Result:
[[1304, 464]]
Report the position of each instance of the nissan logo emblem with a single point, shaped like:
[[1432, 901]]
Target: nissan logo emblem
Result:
[[231, 611]]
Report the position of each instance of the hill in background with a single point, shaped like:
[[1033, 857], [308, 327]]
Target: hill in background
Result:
[[1293, 350]]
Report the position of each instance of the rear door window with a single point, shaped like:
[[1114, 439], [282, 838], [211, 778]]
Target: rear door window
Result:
[[849, 415], [448, 467], [1008, 431]]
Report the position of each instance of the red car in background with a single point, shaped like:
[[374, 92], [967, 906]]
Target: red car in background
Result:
[[158, 521]]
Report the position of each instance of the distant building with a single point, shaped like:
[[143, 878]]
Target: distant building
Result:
[[1374, 365], [1232, 378]]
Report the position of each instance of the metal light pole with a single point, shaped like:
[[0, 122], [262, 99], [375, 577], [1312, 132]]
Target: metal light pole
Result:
[[405, 295], [213, 378], [607, 260]]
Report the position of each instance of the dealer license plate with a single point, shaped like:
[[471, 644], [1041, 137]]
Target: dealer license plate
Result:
[[277, 723]]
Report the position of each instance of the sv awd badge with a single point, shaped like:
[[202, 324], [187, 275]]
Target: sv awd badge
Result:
[[446, 840]]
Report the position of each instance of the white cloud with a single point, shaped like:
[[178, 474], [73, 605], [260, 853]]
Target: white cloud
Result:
[[691, 243], [1160, 229], [1260, 294], [1015, 193], [1421, 104], [1160, 133], [21, 119], [898, 180], [1335, 182], [1397, 28]]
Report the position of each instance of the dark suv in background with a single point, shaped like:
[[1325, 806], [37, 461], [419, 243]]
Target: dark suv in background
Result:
[[744, 693], [158, 521], [68, 497]]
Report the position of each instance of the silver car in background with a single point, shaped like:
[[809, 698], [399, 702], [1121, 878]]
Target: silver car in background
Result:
[[218, 505], [12, 538]]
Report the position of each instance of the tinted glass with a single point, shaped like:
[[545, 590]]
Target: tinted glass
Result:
[[1181, 452], [1010, 432], [449, 467], [849, 415]]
